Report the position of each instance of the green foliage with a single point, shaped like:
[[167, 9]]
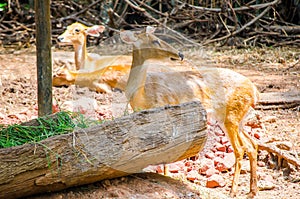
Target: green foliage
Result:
[[63, 123], [3, 6]]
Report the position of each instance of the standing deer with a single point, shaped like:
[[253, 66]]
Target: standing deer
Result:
[[226, 95]]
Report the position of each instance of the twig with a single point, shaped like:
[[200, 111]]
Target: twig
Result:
[[292, 66], [134, 6], [72, 16], [152, 9], [255, 7], [241, 29], [168, 28]]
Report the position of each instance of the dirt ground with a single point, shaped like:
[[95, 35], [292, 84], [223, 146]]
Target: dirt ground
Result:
[[271, 69]]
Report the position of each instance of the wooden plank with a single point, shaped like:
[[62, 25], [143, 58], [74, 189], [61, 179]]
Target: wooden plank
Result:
[[115, 148]]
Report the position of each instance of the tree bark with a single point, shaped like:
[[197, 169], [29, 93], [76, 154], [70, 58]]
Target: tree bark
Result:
[[115, 148], [43, 55]]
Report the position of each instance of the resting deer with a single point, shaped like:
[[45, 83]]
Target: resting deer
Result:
[[76, 34], [99, 73], [226, 95], [102, 80]]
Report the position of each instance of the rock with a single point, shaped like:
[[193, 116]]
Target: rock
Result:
[[219, 154], [218, 131], [261, 164], [265, 185], [247, 129], [55, 108], [173, 168], [215, 181], [253, 120], [205, 164], [226, 163], [154, 169], [188, 163], [269, 178], [194, 158], [257, 135], [224, 140], [83, 105], [193, 175], [210, 155], [229, 149], [159, 169], [220, 147], [245, 167], [211, 171]]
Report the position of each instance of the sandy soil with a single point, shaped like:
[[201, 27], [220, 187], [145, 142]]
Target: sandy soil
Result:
[[272, 70]]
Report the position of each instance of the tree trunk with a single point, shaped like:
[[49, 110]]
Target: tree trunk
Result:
[[115, 148]]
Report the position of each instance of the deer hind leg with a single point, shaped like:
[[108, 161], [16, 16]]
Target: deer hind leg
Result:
[[239, 150], [251, 150], [241, 143]]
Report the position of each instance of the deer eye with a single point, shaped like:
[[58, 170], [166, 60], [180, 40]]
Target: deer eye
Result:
[[156, 42], [77, 30]]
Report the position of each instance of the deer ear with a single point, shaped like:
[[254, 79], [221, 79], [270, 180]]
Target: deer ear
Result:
[[150, 29], [128, 36], [95, 30]]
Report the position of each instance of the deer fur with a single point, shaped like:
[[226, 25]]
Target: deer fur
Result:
[[226, 95]]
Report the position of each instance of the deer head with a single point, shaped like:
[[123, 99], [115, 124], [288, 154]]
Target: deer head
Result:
[[147, 46], [76, 33]]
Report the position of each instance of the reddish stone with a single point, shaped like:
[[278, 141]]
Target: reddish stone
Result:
[[173, 168], [224, 140], [229, 149], [256, 135], [159, 169], [220, 147], [188, 163], [205, 164], [211, 171], [219, 154], [210, 155], [226, 163], [219, 132], [193, 175], [55, 108], [215, 181]]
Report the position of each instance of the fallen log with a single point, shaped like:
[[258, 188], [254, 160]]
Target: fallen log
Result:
[[277, 100], [281, 154], [115, 148]]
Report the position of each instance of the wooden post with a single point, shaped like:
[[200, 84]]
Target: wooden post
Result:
[[43, 53]]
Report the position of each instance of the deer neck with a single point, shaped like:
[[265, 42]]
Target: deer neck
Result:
[[135, 87], [80, 54]]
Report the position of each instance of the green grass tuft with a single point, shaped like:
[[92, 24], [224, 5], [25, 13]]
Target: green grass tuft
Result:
[[45, 127]]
